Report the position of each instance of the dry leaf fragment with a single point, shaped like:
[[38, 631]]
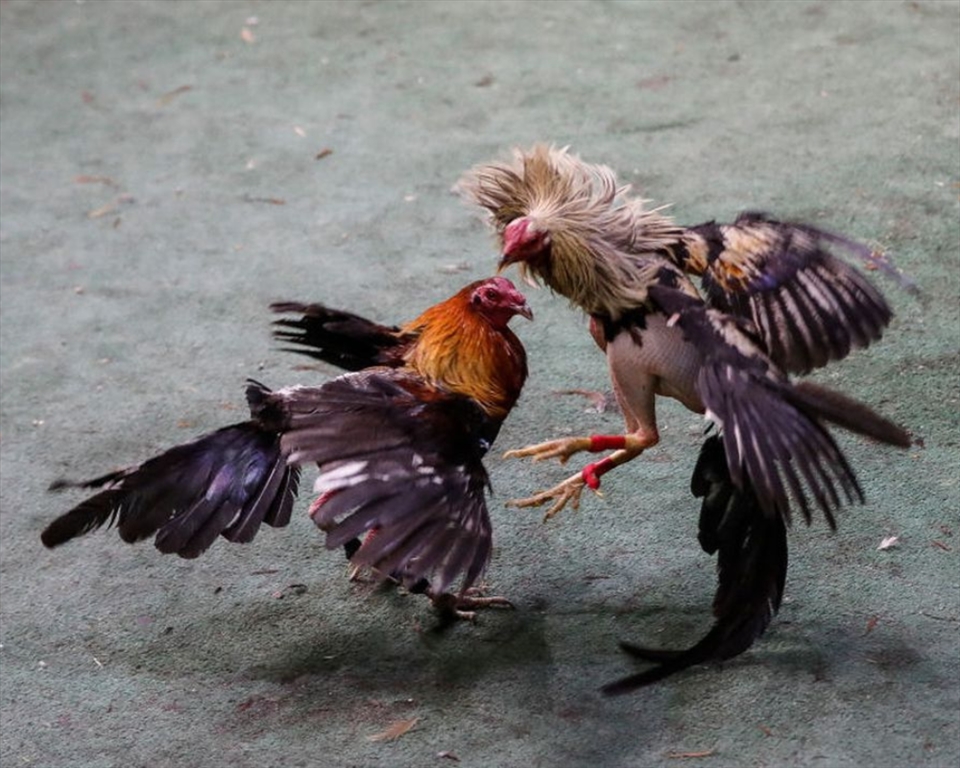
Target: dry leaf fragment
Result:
[[270, 200], [171, 95], [103, 210], [654, 83], [449, 269], [941, 545], [325, 152], [110, 207], [290, 589], [84, 179], [395, 731], [246, 34], [889, 542], [871, 624]]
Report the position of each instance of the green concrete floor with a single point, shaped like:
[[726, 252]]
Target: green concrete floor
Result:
[[165, 176]]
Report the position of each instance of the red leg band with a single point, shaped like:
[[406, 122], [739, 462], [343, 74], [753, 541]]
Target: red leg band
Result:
[[593, 472], [607, 442]]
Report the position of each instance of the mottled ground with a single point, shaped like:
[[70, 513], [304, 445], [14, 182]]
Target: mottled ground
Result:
[[169, 168]]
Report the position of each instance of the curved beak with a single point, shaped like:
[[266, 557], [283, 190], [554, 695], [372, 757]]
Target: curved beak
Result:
[[518, 305], [523, 309], [507, 258]]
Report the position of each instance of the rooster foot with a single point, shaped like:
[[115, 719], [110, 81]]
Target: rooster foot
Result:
[[567, 492], [362, 574], [561, 449], [463, 607]]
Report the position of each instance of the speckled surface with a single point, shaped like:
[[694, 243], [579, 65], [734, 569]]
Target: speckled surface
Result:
[[162, 179]]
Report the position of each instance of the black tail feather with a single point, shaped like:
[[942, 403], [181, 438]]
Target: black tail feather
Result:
[[341, 338], [751, 566]]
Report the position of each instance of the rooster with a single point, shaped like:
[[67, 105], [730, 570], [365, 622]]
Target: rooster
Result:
[[399, 442], [776, 301]]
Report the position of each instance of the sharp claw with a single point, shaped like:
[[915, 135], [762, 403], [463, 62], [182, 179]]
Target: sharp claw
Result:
[[533, 501], [567, 492], [555, 509]]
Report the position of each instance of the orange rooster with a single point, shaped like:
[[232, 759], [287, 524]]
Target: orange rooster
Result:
[[776, 301], [399, 444]]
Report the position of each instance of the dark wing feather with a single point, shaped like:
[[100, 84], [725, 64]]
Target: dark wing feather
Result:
[[403, 459], [227, 483], [752, 557], [809, 306], [341, 338], [773, 431], [751, 543]]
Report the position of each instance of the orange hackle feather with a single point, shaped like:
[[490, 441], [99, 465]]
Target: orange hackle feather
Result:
[[463, 352]]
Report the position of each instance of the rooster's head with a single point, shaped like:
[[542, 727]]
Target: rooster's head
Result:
[[498, 300], [525, 241]]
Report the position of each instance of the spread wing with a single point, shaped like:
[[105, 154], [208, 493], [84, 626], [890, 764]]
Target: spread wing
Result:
[[809, 306], [773, 431], [226, 483], [400, 458]]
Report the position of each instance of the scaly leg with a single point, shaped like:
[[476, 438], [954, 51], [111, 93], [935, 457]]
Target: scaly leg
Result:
[[568, 492]]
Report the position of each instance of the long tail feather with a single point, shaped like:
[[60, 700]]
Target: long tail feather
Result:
[[751, 567], [848, 413]]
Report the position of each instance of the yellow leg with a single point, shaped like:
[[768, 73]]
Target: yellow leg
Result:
[[569, 491], [561, 449]]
